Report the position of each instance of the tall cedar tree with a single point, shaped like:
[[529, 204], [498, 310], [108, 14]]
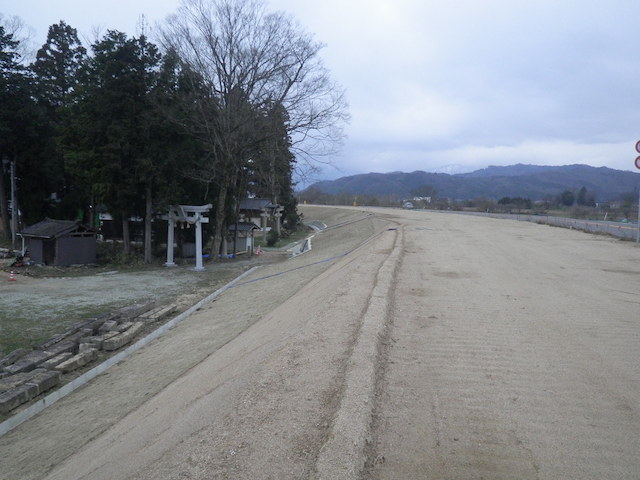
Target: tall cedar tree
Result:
[[270, 169], [56, 69], [9, 76], [20, 124], [57, 65], [108, 144]]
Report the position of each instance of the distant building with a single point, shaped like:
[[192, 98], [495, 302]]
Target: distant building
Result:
[[261, 212], [60, 243]]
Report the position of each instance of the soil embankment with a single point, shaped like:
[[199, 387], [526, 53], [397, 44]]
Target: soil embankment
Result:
[[404, 345]]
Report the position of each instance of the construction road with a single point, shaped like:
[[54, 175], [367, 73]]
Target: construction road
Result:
[[405, 345]]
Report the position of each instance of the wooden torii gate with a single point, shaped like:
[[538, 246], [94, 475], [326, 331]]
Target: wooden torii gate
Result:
[[191, 214]]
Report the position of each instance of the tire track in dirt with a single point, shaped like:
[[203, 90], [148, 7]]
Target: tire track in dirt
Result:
[[343, 455]]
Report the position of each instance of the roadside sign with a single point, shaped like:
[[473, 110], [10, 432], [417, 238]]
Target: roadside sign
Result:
[[638, 146], [638, 163]]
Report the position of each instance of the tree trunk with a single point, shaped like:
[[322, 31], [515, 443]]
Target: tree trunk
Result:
[[147, 225], [235, 237], [219, 219], [4, 205], [126, 236], [237, 215]]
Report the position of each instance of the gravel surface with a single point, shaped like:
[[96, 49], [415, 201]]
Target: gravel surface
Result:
[[404, 345], [33, 308]]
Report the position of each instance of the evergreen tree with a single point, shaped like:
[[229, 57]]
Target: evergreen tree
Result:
[[585, 198], [19, 126], [56, 74], [567, 198], [57, 65], [271, 167], [108, 144]]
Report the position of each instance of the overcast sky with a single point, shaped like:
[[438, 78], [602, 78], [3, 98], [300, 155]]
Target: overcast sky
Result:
[[449, 85]]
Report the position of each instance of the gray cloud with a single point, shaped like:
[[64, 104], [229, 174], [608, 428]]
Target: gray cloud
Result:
[[502, 83]]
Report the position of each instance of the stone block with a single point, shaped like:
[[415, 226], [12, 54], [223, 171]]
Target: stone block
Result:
[[13, 381], [157, 313], [83, 347], [57, 360], [16, 397], [86, 331], [124, 326], [62, 347], [29, 362], [95, 324], [136, 310], [108, 326], [68, 333], [83, 324], [75, 338], [89, 326], [96, 341], [12, 357], [108, 335], [123, 338], [44, 380], [52, 341], [77, 361]]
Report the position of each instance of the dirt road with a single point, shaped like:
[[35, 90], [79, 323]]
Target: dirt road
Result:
[[404, 345], [513, 353]]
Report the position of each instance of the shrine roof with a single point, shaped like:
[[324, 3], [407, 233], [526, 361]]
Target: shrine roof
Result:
[[256, 204], [50, 228]]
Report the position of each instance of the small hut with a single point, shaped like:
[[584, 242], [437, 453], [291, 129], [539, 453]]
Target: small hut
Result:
[[242, 234], [60, 242]]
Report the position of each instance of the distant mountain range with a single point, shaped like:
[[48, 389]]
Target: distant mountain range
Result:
[[528, 181]]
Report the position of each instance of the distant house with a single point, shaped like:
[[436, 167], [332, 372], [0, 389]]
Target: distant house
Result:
[[255, 209], [60, 242], [261, 211]]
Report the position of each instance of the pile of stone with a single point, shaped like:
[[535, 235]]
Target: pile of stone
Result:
[[26, 374]]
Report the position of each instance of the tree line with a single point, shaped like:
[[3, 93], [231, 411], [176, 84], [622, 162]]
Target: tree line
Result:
[[227, 103], [576, 203]]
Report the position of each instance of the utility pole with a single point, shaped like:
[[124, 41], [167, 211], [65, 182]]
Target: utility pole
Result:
[[14, 205]]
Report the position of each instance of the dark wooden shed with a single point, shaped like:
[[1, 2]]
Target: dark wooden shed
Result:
[[60, 242]]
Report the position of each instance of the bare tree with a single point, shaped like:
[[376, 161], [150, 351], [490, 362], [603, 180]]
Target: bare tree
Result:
[[23, 34], [248, 61]]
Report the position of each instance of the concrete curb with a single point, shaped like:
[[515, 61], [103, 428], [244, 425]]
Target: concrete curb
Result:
[[300, 247], [62, 392], [342, 457]]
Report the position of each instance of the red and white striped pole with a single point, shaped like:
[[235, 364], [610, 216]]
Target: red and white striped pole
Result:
[[638, 167]]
